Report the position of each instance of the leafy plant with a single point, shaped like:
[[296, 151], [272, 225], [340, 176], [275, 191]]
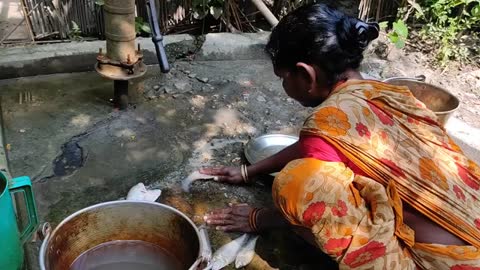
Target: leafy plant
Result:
[[75, 31], [446, 21], [141, 26], [398, 34], [383, 25]]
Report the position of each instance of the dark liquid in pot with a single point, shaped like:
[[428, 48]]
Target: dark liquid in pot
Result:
[[126, 255]]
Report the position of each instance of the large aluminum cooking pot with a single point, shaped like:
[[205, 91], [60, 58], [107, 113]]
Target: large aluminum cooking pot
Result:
[[151, 222], [437, 99]]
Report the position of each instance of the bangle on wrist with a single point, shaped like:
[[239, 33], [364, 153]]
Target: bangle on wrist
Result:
[[252, 219], [244, 171]]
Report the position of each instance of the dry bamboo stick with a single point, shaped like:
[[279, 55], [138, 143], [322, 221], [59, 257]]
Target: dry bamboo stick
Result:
[[230, 26], [379, 9], [361, 8], [233, 8], [42, 18], [265, 12], [368, 9], [27, 20]]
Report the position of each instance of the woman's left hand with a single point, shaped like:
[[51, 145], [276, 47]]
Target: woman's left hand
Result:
[[232, 219]]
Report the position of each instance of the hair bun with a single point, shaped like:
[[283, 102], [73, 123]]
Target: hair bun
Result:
[[366, 32], [355, 35]]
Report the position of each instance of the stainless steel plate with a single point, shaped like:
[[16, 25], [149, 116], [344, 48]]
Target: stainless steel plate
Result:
[[260, 148]]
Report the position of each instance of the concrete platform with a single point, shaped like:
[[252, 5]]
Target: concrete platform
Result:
[[80, 152], [81, 56]]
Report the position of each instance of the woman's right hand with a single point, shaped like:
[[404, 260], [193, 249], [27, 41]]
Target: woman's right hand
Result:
[[231, 175]]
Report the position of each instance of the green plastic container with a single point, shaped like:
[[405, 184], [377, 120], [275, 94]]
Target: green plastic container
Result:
[[11, 238]]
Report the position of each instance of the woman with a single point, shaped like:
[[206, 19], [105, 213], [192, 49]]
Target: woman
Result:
[[374, 180]]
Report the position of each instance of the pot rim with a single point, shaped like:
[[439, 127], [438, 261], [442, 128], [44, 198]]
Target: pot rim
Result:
[[457, 100], [43, 248]]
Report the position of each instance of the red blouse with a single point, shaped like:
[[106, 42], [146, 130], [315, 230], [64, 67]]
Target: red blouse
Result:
[[318, 148]]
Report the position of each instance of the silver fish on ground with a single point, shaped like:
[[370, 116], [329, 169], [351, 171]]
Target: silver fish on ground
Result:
[[196, 175], [227, 254], [140, 193], [246, 253]]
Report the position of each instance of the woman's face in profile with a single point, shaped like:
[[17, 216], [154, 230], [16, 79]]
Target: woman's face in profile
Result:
[[302, 86]]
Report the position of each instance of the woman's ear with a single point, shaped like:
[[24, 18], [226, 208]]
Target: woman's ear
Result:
[[309, 74]]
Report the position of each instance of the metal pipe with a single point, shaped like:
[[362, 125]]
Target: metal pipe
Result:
[[120, 29], [122, 61], [120, 94]]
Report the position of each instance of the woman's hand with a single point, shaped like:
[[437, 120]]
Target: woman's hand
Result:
[[236, 218], [231, 175], [232, 219]]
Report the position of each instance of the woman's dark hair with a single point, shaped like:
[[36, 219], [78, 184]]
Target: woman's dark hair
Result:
[[318, 34]]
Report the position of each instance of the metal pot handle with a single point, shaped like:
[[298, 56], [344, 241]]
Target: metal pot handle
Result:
[[205, 250], [44, 234], [420, 78]]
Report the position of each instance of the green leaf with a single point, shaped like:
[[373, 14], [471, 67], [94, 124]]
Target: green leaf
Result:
[[216, 12], [400, 44], [75, 27], [142, 26], [400, 28], [476, 11], [457, 3], [393, 37], [145, 28], [100, 2], [383, 25]]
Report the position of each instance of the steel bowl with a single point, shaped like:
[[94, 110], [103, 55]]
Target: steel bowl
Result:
[[150, 222], [265, 146], [440, 101]]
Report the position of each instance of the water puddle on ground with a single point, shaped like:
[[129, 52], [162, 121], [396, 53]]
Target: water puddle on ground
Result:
[[82, 87]]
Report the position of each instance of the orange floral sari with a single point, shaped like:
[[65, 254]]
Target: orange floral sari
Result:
[[408, 157]]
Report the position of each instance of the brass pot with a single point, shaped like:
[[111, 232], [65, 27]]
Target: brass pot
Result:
[[153, 223], [440, 101]]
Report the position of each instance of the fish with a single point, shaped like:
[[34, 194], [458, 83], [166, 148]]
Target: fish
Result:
[[246, 253], [196, 175], [140, 193], [227, 254]]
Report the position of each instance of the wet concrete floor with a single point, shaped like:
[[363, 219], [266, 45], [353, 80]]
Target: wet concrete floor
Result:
[[64, 134]]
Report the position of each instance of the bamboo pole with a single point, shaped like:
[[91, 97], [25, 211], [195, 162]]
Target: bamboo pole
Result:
[[379, 9], [27, 19], [265, 12]]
